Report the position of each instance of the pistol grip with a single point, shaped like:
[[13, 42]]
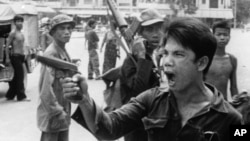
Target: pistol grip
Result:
[[78, 96]]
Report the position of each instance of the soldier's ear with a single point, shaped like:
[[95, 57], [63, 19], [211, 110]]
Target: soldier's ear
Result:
[[202, 63], [52, 31]]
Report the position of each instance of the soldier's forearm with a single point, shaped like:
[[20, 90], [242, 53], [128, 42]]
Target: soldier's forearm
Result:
[[88, 110]]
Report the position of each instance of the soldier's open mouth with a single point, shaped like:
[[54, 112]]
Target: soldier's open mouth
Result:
[[171, 78]]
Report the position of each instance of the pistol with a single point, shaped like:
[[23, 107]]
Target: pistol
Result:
[[68, 69]]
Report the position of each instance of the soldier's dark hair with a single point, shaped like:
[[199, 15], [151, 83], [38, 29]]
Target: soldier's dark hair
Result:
[[192, 34], [222, 24], [91, 22], [18, 18]]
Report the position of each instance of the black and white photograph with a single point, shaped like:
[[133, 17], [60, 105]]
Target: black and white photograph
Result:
[[124, 70]]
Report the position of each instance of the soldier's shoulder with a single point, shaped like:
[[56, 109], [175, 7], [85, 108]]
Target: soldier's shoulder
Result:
[[50, 51], [155, 92]]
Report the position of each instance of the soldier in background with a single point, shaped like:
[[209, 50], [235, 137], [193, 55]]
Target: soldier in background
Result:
[[93, 39], [189, 110], [224, 65], [112, 50], [16, 41], [53, 112], [140, 77]]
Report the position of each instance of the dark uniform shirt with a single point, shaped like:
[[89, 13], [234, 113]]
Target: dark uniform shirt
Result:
[[161, 119], [136, 79]]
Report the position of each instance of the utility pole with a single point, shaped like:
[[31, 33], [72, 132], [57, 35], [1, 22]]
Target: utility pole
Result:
[[235, 13]]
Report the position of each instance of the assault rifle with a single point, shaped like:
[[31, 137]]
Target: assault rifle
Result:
[[127, 32]]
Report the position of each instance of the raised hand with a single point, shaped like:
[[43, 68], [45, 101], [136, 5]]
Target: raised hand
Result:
[[75, 89], [138, 49]]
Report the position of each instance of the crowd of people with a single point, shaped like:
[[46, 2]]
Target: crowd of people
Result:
[[191, 108], [193, 105]]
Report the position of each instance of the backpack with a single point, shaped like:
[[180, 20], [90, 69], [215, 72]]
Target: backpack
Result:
[[112, 93]]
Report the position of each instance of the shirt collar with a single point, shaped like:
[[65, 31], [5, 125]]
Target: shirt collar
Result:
[[217, 103], [62, 53]]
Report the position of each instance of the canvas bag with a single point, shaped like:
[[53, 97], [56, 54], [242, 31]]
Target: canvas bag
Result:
[[112, 93]]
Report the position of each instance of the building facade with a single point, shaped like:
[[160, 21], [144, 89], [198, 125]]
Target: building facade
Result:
[[216, 9], [208, 9], [205, 8]]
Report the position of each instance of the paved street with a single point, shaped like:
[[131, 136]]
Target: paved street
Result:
[[18, 119]]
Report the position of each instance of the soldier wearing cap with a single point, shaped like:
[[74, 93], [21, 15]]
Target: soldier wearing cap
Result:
[[53, 112], [92, 39], [136, 79], [189, 110]]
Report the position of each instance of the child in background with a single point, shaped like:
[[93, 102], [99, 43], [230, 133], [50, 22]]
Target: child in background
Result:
[[224, 65]]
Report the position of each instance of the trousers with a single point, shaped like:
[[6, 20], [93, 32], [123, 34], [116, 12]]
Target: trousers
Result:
[[93, 66], [16, 85], [55, 136]]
